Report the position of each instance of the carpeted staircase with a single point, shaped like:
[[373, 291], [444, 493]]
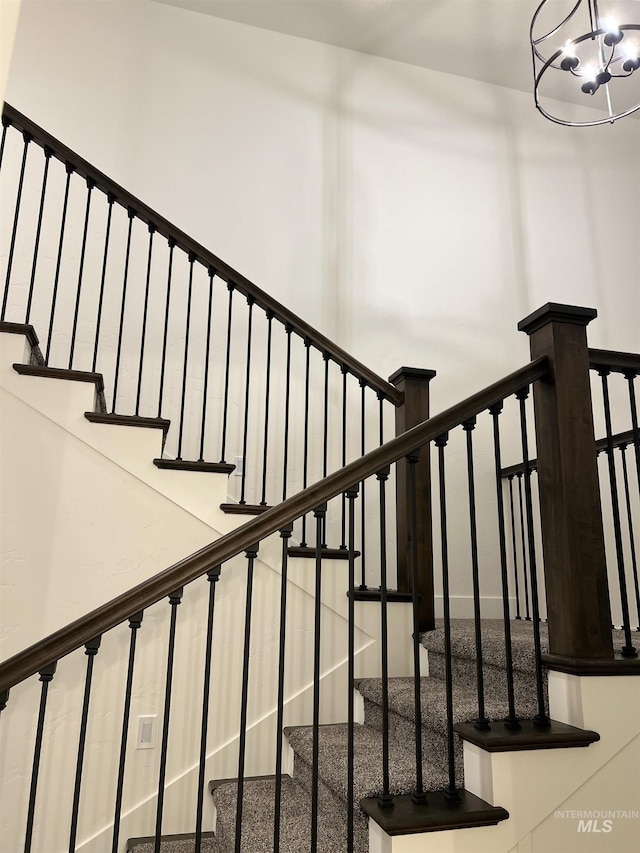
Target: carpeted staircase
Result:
[[258, 800]]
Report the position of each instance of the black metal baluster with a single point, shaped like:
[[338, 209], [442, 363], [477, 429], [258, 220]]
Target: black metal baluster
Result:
[[511, 720], [513, 545], [541, 718], [27, 139], [343, 540], [174, 600], [90, 185], [285, 535], [385, 800], [152, 231], [6, 122], [628, 650], [524, 548], [319, 514], [632, 541], [247, 384], [351, 495], [287, 392], [183, 396], [381, 418], [47, 159], [267, 392], [212, 274], [251, 554], [468, 426], [630, 377], [46, 676], [134, 624], [325, 438], [452, 791], [305, 460], [418, 797], [69, 169], [212, 576], [225, 405], [110, 200], [91, 651], [172, 244], [363, 522], [131, 214]]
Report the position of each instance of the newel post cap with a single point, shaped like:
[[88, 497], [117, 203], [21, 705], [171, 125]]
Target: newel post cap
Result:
[[419, 373], [555, 312]]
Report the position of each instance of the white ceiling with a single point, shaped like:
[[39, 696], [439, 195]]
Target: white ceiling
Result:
[[482, 39]]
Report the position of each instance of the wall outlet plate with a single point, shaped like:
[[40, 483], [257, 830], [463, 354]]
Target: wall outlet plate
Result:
[[146, 738]]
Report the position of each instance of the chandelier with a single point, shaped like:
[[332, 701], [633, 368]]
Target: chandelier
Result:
[[585, 60]]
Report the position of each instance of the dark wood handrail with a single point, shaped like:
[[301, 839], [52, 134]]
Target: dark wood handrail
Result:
[[203, 255], [102, 619], [618, 362], [619, 439]]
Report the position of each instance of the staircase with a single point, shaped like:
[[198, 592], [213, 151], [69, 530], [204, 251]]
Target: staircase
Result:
[[249, 649]]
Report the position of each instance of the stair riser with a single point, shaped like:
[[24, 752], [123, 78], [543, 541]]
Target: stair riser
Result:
[[401, 730], [495, 683]]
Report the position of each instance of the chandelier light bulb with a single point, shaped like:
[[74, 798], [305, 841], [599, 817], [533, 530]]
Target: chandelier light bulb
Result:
[[631, 49]]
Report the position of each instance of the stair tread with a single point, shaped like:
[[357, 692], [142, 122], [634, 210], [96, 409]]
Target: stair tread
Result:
[[175, 844], [367, 762], [258, 817]]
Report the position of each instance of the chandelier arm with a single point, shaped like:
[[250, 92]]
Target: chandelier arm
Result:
[[535, 42]]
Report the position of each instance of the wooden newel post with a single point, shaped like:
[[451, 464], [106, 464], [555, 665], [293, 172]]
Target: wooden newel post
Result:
[[578, 608], [413, 383]]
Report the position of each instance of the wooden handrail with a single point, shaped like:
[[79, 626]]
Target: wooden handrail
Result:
[[62, 642], [619, 439], [202, 255], [618, 362]]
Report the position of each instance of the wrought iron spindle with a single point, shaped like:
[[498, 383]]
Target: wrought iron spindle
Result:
[[251, 554], [90, 186], [511, 720], [630, 377], [91, 650], [287, 393], [212, 274], [343, 540], [131, 214], [285, 535], [325, 438], [452, 791], [110, 200], [225, 405], [174, 600], [213, 576], [524, 548], [6, 123], [305, 457], [514, 547], [69, 169], [185, 364], [351, 495], [267, 390], [163, 364], [319, 514], [46, 676], [247, 386], [145, 311], [385, 799], [418, 797], [632, 541], [47, 159], [27, 139], [628, 650], [363, 520], [134, 624], [468, 426], [541, 718]]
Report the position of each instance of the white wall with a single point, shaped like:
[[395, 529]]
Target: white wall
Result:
[[413, 216]]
